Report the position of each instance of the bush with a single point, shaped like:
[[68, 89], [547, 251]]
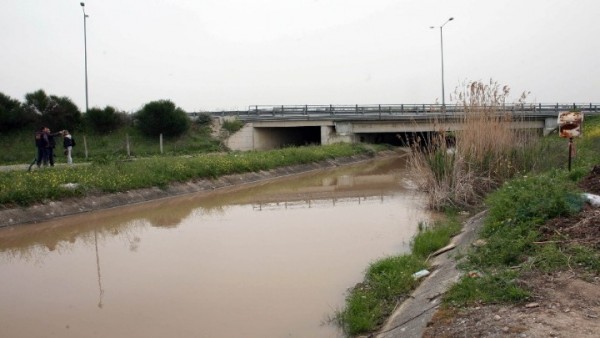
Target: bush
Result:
[[164, 117], [55, 112], [13, 116], [104, 120], [204, 119], [232, 125]]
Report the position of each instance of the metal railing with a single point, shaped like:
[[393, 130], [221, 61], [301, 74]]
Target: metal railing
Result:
[[257, 112]]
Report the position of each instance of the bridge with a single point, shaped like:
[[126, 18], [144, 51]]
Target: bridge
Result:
[[273, 126]]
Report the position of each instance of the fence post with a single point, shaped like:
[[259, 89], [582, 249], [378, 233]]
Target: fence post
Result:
[[85, 149], [127, 145], [161, 143]]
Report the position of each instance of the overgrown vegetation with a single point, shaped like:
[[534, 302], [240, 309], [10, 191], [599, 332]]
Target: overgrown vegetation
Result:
[[107, 175], [20, 148], [485, 152], [391, 279], [106, 129], [232, 125], [511, 229], [522, 181], [104, 121], [515, 238]]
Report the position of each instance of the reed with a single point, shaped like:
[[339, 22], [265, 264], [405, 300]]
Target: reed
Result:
[[485, 152]]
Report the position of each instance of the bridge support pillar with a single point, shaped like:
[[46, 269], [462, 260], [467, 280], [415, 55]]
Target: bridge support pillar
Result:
[[550, 124], [333, 134]]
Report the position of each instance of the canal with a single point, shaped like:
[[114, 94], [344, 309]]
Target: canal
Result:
[[273, 259]]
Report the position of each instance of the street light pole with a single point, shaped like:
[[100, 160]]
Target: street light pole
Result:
[[442, 49], [85, 16]]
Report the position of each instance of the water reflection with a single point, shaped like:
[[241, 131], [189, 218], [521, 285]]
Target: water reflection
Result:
[[375, 180], [272, 258]]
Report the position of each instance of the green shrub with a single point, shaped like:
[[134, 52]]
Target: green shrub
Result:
[[532, 201], [13, 116], [204, 119], [164, 117], [104, 120], [232, 126], [57, 113]]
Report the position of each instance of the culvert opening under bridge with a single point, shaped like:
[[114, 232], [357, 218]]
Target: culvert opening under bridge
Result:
[[403, 139], [273, 137]]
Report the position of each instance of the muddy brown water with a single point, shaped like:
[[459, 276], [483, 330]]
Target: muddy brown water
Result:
[[266, 260]]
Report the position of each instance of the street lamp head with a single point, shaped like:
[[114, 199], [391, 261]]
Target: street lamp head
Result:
[[448, 19], [82, 4]]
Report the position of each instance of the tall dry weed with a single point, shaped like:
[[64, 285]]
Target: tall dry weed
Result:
[[485, 152]]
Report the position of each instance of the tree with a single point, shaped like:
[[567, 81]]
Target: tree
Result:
[[104, 120], [54, 112], [164, 117], [13, 116]]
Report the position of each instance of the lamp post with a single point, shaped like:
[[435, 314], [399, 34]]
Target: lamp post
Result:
[[442, 48], [85, 16]]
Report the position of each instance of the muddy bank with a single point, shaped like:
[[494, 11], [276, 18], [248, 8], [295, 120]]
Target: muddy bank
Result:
[[52, 209]]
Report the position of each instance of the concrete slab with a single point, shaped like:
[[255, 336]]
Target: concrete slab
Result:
[[412, 316]]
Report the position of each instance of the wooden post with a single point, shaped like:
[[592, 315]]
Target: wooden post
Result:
[[570, 151], [85, 149], [127, 145], [161, 143]]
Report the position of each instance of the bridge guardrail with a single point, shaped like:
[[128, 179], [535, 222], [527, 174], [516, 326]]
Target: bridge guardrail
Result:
[[383, 110]]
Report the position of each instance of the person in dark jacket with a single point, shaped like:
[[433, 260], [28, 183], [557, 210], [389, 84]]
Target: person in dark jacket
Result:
[[51, 145], [42, 144]]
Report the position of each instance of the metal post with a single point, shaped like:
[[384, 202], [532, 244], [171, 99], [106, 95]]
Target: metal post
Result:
[[442, 52], [85, 16]]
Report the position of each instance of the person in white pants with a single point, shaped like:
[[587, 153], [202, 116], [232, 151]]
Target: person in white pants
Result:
[[68, 145]]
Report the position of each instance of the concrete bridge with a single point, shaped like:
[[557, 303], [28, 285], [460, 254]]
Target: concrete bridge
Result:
[[269, 127]]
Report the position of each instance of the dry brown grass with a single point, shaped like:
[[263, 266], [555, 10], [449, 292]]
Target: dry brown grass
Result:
[[486, 150]]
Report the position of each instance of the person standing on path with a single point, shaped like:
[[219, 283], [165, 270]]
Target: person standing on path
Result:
[[42, 144], [51, 145], [68, 143]]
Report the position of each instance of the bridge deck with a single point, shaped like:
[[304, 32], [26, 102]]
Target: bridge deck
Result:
[[391, 111]]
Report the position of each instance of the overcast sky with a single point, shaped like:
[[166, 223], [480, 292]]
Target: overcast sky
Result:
[[229, 54]]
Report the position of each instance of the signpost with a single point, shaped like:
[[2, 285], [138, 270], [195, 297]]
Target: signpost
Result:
[[570, 124]]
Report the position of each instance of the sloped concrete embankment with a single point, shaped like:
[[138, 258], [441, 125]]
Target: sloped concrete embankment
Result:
[[412, 316]]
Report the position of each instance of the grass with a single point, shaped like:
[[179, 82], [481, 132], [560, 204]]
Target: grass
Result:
[[22, 188], [391, 279], [522, 180], [512, 230], [20, 147], [430, 239]]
